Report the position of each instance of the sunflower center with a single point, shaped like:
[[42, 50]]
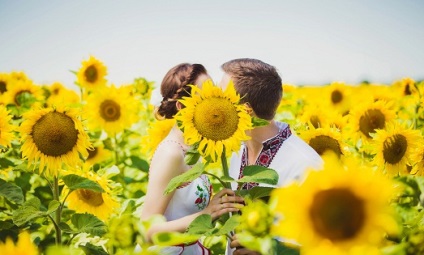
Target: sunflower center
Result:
[[372, 119], [56, 91], [337, 214], [336, 96], [92, 153], [315, 121], [216, 119], [394, 148], [2, 87], [407, 90], [91, 74], [110, 110], [54, 134], [321, 143], [22, 96], [90, 197]]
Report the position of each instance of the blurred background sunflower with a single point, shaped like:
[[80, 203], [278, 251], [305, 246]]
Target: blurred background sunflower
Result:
[[393, 148], [6, 127], [92, 74], [111, 109]]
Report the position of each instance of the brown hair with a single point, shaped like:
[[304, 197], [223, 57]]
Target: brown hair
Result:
[[258, 84], [174, 86]]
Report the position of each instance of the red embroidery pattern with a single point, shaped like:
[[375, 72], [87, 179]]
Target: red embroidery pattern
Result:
[[269, 150]]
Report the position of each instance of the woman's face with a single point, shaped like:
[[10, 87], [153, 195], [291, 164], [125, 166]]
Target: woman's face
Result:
[[202, 78]]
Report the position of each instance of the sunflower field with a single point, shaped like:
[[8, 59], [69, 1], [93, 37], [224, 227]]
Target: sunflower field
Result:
[[74, 168]]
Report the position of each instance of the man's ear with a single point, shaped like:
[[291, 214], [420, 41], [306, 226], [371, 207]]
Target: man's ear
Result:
[[179, 105]]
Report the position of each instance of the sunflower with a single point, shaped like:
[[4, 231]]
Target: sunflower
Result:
[[338, 97], [324, 139], [6, 129], [23, 92], [61, 95], [111, 109], [315, 115], [24, 246], [143, 87], [366, 118], [4, 80], [156, 132], [52, 137], [418, 159], [332, 208], [214, 119], [393, 148], [100, 204], [92, 74], [98, 154]]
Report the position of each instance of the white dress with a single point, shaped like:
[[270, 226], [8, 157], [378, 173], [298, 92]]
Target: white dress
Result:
[[188, 199]]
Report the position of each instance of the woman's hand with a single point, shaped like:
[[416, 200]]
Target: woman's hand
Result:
[[224, 202]]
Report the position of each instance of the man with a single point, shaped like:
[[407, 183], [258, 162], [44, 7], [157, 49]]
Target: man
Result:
[[274, 146]]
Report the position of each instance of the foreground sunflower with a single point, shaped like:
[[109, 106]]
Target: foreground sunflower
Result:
[[92, 74], [111, 109], [24, 246], [344, 205], [6, 129], [102, 205], [53, 137], [393, 148], [214, 119]]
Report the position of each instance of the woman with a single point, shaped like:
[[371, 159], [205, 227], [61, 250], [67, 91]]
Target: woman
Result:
[[192, 199]]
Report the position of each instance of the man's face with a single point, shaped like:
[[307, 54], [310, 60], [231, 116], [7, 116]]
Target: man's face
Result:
[[224, 81]]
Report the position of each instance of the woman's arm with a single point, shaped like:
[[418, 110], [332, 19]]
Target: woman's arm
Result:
[[167, 163]]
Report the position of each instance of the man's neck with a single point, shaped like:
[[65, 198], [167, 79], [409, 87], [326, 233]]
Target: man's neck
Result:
[[258, 136]]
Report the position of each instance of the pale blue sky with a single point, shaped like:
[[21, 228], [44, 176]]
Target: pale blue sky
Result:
[[310, 42]]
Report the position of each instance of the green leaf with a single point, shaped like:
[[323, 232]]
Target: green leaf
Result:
[[6, 224], [262, 245], [192, 155], [229, 225], [90, 249], [5, 163], [139, 163], [74, 182], [173, 238], [259, 174], [11, 192], [66, 228], [88, 223], [53, 206], [256, 192], [258, 122], [30, 210], [188, 176], [201, 225]]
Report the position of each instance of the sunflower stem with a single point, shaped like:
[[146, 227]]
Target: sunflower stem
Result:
[[58, 211], [225, 170]]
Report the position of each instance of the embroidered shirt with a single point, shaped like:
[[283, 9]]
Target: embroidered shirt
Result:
[[270, 147]]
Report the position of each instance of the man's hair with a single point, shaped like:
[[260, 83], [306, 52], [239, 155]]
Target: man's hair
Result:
[[258, 83]]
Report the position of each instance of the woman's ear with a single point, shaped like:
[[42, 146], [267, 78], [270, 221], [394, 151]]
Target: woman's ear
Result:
[[179, 105], [249, 109]]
